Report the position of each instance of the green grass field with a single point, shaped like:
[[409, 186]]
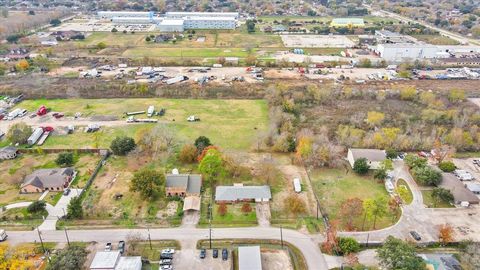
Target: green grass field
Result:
[[234, 215], [334, 186], [113, 39], [230, 124], [428, 201], [436, 39], [187, 52]]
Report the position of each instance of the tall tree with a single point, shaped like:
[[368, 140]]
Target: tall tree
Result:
[[72, 257], [147, 182], [212, 164], [351, 209], [396, 254], [75, 209]]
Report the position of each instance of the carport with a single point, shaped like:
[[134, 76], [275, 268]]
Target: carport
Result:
[[191, 203]]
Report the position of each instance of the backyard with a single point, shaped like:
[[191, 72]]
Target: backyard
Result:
[[334, 186], [230, 124]]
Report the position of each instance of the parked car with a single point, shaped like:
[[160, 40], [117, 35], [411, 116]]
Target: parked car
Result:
[[66, 192], [166, 256], [224, 254], [168, 251], [108, 247], [203, 253], [121, 247], [215, 253], [415, 235], [165, 262], [476, 162], [166, 267]]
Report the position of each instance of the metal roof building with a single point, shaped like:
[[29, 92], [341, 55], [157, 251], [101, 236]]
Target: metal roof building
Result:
[[242, 193], [129, 263], [201, 14], [249, 258], [105, 260]]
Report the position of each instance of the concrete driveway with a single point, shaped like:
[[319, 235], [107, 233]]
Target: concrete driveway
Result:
[[58, 211]]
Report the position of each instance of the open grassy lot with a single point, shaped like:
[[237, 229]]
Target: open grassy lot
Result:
[[231, 124], [245, 40], [436, 39], [12, 173], [429, 202], [113, 39], [334, 186]]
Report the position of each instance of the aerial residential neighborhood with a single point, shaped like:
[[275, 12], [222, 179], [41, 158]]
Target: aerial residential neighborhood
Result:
[[232, 134]]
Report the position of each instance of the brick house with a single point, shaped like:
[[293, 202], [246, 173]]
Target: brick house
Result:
[[183, 185], [48, 179]]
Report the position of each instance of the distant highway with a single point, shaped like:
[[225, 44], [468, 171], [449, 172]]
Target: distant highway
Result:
[[462, 39]]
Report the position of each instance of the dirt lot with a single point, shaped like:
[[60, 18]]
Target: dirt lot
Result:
[[274, 259], [316, 41]]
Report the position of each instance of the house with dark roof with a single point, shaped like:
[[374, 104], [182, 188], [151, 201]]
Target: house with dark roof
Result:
[[183, 185], [8, 152], [48, 179], [461, 194], [374, 157], [241, 193]]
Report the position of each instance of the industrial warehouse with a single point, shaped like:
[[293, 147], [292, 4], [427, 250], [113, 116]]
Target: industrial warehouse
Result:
[[175, 21]]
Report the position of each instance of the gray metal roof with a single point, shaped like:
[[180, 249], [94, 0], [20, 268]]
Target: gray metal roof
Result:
[[249, 258], [369, 154], [191, 182], [474, 187], [8, 149], [234, 193], [129, 263], [105, 260]]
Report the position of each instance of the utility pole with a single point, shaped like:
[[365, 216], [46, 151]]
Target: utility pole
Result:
[[66, 235], [149, 239], [368, 237], [210, 235], [281, 236], [317, 209], [41, 241]]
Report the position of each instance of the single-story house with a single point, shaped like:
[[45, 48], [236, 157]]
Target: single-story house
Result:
[[374, 157], [461, 194], [249, 258], [241, 193], [8, 152], [473, 187], [183, 185], [112, 260], [47, 179]]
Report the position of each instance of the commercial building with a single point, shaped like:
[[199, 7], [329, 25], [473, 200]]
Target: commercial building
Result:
[[112, 260], [406, 51], [133, 20], [461, 194], [180, 15], [209, 23], [171, 25], [249, 258], [385, 36], [374, 157], [347, 22], [112, 14]]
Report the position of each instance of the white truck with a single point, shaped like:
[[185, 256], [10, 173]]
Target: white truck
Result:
[[296, 185], [3, 235], [176, 79]]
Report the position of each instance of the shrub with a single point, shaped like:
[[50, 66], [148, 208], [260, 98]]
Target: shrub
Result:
[[114, 30], [122, 145], [447, 166], [361, 166], [55, 22], [202, 142], [408, 93], [188, 153], [441, 194], [101, 45], [414, 161], [64, 159], [391, 153], [19, 133], [348, 245], [36, 206]]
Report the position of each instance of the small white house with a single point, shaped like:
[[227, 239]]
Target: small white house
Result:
[[374, 157]]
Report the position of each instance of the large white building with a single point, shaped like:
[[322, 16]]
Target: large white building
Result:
[[406, 51], [171, 25], [201, 14], [111, 14], [132, 20], [210, 23]]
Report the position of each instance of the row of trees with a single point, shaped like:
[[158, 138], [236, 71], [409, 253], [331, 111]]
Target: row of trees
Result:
[[423, 173]]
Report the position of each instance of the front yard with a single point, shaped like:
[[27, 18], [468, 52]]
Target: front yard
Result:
[[334, 186]]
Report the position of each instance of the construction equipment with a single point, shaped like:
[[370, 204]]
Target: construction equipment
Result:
[[193, 118]]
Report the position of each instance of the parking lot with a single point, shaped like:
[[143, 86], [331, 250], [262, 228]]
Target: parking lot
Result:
[[190, 259]]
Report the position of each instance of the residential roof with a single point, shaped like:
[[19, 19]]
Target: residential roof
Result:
[[191, 203], [129, 263], [459, 191], [8, 149], [234, 193], [369, 154], [249, 258], [105, 260], [47, 178], [191, 182]]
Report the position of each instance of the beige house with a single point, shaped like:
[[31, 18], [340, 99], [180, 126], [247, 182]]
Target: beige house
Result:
[[374, 157], [48, 179]]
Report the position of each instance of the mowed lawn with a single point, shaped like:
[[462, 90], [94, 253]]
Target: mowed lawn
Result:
[[113, 39], [230, 124], [246, 40], [334, 186]]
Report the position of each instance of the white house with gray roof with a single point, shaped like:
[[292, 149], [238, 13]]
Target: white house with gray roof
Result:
[[374, 157], [239, 192]]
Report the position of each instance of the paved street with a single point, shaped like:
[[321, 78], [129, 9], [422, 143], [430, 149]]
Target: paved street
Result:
[[305, 243]]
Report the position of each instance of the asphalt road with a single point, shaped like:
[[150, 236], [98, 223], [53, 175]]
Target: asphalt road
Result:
[[305, 243]]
